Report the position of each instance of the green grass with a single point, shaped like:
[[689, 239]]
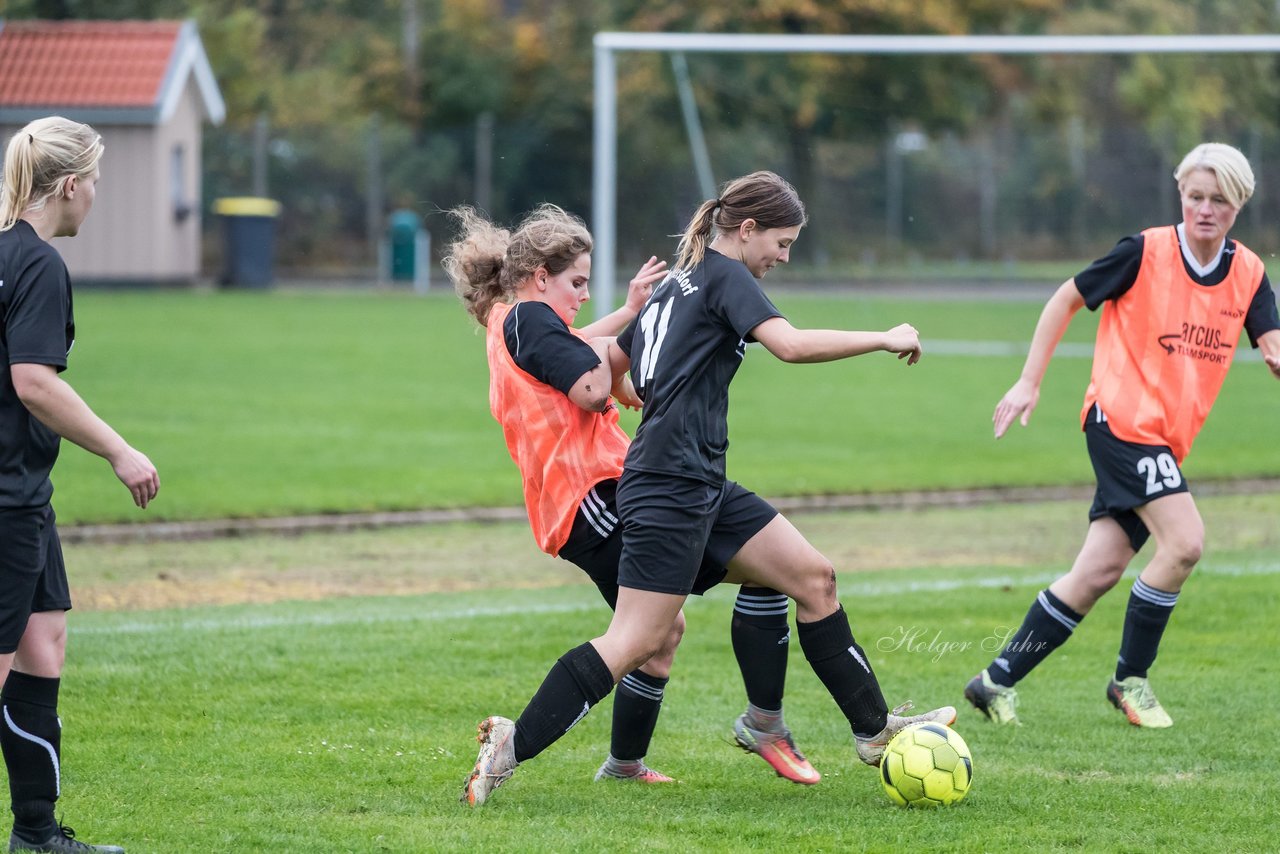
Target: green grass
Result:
[[347, 725], [285, 402]]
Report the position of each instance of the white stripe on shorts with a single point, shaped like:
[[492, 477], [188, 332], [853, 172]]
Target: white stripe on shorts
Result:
[[593, 511]]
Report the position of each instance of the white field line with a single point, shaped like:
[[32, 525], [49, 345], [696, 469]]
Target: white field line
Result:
[[849, 591]]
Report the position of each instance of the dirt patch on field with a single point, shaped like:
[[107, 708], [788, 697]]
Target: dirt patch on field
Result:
[[1001, 530]]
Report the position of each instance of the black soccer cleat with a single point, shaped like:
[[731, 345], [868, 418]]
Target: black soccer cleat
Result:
[[62, 841]]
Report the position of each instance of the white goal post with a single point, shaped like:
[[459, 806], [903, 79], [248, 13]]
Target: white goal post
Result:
[[608, 44]]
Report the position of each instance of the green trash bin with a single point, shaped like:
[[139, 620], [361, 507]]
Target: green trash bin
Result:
[[249, 237], [404, 226]]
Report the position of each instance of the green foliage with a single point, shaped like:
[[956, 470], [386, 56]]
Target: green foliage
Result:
[[348, 725], [284, 402], [320, 70]]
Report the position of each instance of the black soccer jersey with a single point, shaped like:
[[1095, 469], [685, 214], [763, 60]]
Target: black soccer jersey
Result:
[[544, 348], [36, 327], [685, 347], [1112, 275]]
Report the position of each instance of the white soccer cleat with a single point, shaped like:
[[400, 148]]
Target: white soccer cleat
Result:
[[496, 762], [1134, 697], [871, 749]]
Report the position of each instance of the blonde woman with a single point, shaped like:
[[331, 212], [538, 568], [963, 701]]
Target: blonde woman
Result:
[[1174, 301], [50, 176]]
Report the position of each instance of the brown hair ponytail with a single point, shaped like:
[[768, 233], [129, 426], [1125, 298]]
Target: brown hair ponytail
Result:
[[762, 196]]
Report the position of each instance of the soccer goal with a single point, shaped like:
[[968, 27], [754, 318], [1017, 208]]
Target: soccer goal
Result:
[[911, 202]]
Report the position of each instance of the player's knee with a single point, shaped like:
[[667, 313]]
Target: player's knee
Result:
[[817, 588], [1102, 578], [1184, 550], [667, 652], [641, 650]]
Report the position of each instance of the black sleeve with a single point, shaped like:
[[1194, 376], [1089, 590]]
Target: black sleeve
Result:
[[544, 348], [737, 298], [1262, 316], [36, 322], [1111, 276], [628, 336]]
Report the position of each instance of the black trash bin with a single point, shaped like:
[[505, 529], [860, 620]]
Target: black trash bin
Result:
[[249, 238]]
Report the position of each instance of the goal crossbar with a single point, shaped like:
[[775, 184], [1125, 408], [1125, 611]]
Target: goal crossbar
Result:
[[608, 44]]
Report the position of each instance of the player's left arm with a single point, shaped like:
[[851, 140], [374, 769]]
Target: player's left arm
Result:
[[650, 273], [1262, 324], [1269, 344], [790, 344]]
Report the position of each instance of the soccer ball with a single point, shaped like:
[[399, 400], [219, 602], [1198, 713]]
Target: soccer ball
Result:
[[926, 765]]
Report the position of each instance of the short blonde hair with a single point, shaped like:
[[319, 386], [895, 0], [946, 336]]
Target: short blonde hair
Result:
[[1228, 164]]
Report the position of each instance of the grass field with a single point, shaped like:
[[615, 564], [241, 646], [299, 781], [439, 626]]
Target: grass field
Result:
[[320, 693], [308, 402], [346, 724]]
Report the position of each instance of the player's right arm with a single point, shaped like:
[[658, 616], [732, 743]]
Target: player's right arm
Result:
[[594, 388], [55, 403], [1020, 401]]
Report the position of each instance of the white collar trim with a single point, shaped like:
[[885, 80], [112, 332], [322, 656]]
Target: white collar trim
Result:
[[1198, 268]]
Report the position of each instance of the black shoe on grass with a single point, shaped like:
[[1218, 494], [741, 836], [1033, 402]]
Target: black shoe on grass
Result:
[[61, 841]]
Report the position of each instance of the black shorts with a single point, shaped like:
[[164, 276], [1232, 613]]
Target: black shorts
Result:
[[679, 534], [33, 577], [1129, 475]]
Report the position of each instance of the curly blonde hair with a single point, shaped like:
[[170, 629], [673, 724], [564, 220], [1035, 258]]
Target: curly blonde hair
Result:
[[487, 263]]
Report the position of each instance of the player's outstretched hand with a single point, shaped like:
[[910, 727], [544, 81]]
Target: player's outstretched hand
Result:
[[1018, 402], [1273, 362], [650, 273], [905, 341], [138, 474]]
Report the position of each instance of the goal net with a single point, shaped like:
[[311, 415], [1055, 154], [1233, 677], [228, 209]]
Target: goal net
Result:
[[936, 156]]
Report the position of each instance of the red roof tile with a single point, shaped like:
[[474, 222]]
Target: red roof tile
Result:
[[119, 64]]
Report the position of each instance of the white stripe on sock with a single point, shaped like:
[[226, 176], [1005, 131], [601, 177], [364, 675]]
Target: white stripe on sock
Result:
[[748, 603], [853, 650], [35, 739], [1055, 613], [647, 691], [1146, 592]]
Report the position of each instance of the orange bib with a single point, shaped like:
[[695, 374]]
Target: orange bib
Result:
[[561, 449], [1164, 347]]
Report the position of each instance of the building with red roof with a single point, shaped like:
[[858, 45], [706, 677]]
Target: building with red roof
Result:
[[148, 88]]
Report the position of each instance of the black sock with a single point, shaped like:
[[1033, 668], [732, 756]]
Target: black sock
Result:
[[578, 681], [842, 666], [1048, 624], [1144, 623], [761, 639], [31, 738], [635, 714]]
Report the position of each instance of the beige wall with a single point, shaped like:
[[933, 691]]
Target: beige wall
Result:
[[131, 233]]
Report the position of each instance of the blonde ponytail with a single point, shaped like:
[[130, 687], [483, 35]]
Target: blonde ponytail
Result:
[[39, 158]]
